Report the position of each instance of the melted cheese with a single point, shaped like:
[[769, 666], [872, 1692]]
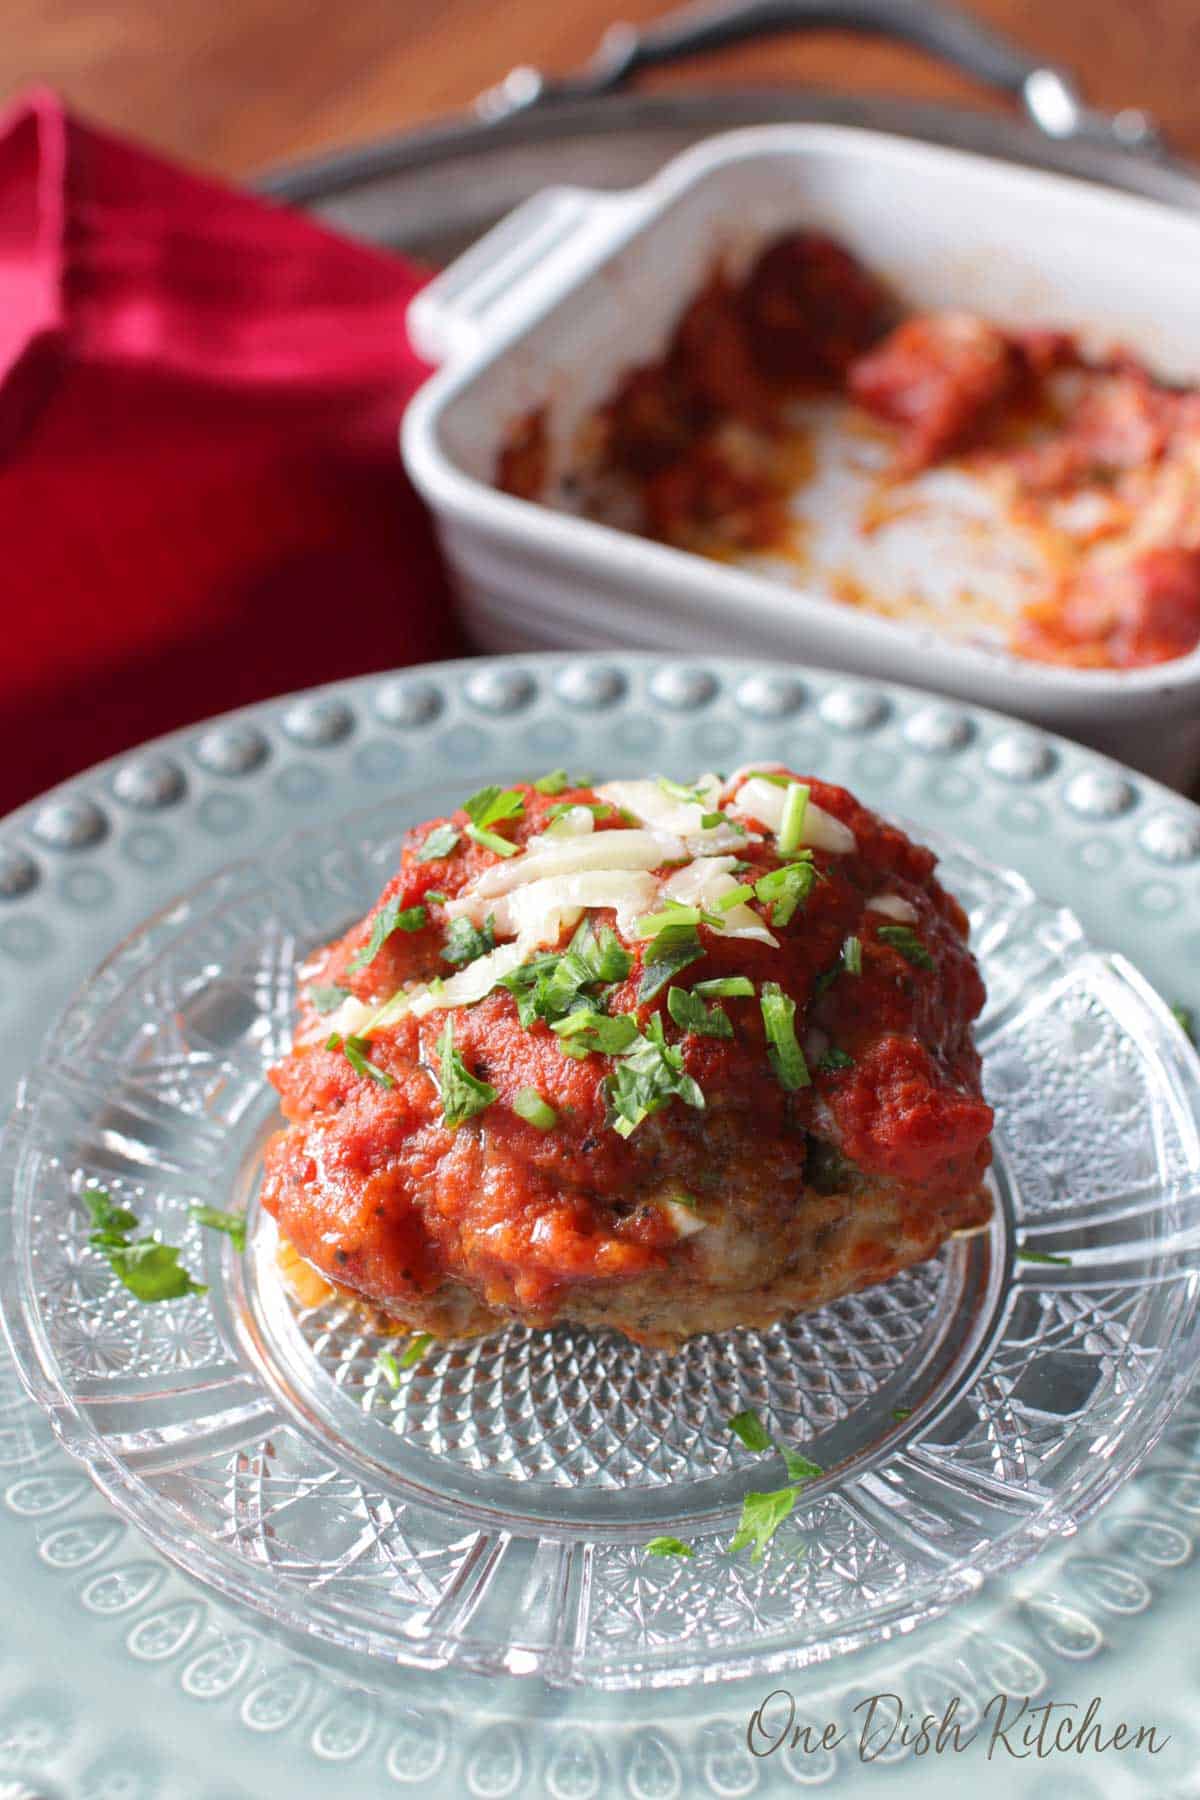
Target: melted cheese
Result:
[[703, 883], [650, 803], [764, 800], [894, 906]]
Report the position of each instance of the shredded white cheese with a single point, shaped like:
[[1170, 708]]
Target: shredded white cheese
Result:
[[682, 1218], [703, 883], [895, 906], [571, 856], [763, 800], [662, 811]]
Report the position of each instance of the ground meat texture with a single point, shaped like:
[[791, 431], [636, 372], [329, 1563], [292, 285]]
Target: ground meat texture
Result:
[[800, 1196]]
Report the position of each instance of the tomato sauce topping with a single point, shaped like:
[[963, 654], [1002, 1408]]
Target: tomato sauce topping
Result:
[[374, 1187]]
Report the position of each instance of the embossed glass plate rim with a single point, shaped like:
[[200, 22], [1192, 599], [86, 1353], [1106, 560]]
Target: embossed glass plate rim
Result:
[[436, 1652]]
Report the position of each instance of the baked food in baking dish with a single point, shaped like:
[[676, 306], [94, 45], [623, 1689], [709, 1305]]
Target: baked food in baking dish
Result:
[[1004, 486], [664, 1058]]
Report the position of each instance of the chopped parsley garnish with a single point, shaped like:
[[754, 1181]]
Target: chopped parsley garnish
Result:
[[1183, 1018], [492, 806], [690, 1014], [491, 840], [443, 840], [783, 1051], [416, 1349], [834, 1060], [799, 1468], [463, 1094], [149, 1269], [584, 1031], [848, 963], [678, 790], [599, 809], [1043, 1256], [904, 939], [735, 896], [763, 1514], [726, 987], [355, 1050], [389, 918], [710, 820], [750, 1429], [233, 1224], [388, 1367], [435, 897], [648, 1076], [325, 998], [668, 1546], [900, 1413], [110, 1222], [791, 826], [465, 941], [766, 775], [530, 1106], [671, 950], [673, 913], [550, 986], [787, 888], [556, 782]]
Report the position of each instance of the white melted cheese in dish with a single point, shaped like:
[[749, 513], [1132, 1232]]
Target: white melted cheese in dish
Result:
[[571, 868]]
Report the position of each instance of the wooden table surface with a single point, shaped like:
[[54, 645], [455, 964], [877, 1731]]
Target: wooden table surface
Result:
[[242, 86]]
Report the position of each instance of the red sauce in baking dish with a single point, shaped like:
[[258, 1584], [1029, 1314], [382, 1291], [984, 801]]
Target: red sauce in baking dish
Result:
[[699, 438], [392, 1197]]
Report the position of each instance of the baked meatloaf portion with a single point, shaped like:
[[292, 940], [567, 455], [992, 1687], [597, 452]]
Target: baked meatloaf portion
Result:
[[667, 1058]]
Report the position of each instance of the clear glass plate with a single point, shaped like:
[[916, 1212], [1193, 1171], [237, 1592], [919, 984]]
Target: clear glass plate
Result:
[[492, 1511]]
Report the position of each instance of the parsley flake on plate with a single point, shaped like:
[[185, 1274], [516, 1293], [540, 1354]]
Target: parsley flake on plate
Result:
[[668, 1546], [388, 1367], [747, 1426], [1042, 1256], [389, 918], [762, 1515], [834, 1060], [416, 1349], [233, 1224], [149, 1269], [462, 1094]]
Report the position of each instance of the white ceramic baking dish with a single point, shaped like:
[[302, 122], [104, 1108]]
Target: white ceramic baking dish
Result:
[[575, 287]]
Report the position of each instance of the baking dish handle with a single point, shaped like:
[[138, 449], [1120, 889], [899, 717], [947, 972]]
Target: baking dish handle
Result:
[[1049, 95], [473, 298]]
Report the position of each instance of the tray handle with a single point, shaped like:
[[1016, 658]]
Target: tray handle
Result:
[[469, 300], [1049, 95]]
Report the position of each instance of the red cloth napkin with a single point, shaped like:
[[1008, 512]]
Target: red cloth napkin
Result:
[[201, 498]]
